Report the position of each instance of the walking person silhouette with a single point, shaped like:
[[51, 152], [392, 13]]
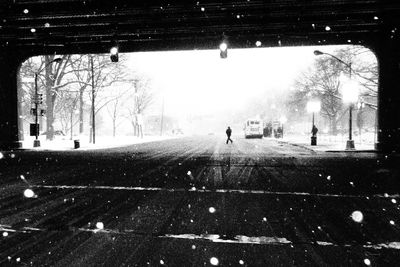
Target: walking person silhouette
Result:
[[229, 133]]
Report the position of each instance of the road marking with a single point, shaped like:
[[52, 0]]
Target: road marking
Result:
[[259, 240], [215, 238], [235, 191]]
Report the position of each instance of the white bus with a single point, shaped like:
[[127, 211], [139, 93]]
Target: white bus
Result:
[[253, 128]]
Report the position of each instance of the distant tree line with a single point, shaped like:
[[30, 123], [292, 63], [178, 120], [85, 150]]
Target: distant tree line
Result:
[[68, 86]]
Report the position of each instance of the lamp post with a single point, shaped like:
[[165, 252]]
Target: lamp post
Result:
[[36, 142], [312, 107], [350, 95]]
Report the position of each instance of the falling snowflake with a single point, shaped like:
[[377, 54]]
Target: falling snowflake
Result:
[[367, 262], [189, 173], [100, 225], [211, 209], [28, 193], [214, 261], [327, 28], [193, 247], [161, 262], [357, 216], [5, 234], [1, 155], [394, 201], [392, 222], [241, 262]]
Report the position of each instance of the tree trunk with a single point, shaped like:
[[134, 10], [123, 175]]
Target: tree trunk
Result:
[[333, 125], [135, 129], [71, 129], [81, 111], [91, 129], [49, 101], [114, 128], [19, 107]]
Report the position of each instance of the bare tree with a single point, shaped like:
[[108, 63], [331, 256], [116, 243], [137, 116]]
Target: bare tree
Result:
[[364, 67], [51, 78], [26, 91], [142, 99], [105, 74], [322, 81], [115, 107], [65, 109]]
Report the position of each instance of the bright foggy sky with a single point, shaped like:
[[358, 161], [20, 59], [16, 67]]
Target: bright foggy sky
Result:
[[199, 82]]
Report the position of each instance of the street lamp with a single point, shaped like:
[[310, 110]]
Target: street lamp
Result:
[[223, 50], [350, 95], [312, 107], [36, 142]]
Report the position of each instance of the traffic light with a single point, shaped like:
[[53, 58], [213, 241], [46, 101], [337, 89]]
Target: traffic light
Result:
[[114, 54]]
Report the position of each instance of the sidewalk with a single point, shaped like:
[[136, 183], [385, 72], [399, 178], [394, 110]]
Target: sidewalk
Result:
[[64, 142], [327, 143]]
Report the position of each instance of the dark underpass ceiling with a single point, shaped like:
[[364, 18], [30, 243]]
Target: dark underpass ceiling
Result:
[[184, 24]]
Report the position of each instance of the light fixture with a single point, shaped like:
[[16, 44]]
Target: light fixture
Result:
[[223, 50], [114, 54], [318, 53]]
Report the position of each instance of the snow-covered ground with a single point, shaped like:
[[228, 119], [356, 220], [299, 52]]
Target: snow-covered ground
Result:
[[330, 142], [324, 142], [64, 142]]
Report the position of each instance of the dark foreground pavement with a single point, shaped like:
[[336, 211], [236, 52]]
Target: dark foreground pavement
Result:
[[198, 201]]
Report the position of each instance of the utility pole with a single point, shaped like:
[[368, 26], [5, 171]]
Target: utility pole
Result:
[[350, 142], [36, 142]]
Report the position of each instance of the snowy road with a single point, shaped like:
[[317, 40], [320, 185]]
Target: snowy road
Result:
[[195, 201]]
